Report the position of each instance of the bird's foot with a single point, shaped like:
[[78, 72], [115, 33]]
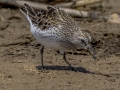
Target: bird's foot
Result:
[[42, 67], [72, 68]]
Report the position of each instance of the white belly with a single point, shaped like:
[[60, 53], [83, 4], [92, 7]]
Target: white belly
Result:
[[46, 38], [48, 42]]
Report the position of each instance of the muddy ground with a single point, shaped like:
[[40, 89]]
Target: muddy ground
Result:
[[20, 57]]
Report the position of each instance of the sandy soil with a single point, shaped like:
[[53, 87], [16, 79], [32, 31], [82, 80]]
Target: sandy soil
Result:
[[20, 58]]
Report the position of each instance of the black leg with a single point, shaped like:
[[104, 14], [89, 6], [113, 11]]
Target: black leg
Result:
[[41, 52], [64, 57]]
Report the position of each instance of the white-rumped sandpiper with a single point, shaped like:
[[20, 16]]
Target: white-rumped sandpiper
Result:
[[54, 28]]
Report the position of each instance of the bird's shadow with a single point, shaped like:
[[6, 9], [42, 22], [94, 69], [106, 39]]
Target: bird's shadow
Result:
[[76, 69]]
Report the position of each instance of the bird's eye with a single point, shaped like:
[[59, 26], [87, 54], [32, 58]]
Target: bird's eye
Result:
[[83, 42]]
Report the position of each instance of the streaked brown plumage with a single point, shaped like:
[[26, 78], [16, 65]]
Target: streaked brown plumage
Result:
[[54, 28]]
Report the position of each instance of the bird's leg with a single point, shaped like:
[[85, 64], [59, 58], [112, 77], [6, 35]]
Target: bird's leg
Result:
[[64, 57], [41, 52]]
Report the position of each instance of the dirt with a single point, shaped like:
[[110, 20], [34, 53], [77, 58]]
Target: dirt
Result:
[[20, 66]]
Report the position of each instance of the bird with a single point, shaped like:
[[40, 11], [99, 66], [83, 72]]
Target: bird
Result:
[[54, 28]]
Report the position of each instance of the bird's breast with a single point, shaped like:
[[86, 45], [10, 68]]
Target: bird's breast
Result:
[[48, 38]]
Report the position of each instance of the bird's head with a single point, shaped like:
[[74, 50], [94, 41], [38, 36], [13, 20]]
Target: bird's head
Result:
[[84, 43]]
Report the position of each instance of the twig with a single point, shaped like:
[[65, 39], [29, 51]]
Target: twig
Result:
[[8, 3], [78, 3], [72, 12]]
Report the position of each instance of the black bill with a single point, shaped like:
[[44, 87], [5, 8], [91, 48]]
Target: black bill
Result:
[[92, 51]]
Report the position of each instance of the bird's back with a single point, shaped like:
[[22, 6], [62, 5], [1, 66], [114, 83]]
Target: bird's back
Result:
[[52, 25]]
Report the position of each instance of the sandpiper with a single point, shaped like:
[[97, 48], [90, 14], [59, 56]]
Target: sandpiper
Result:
[[54, 28]]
